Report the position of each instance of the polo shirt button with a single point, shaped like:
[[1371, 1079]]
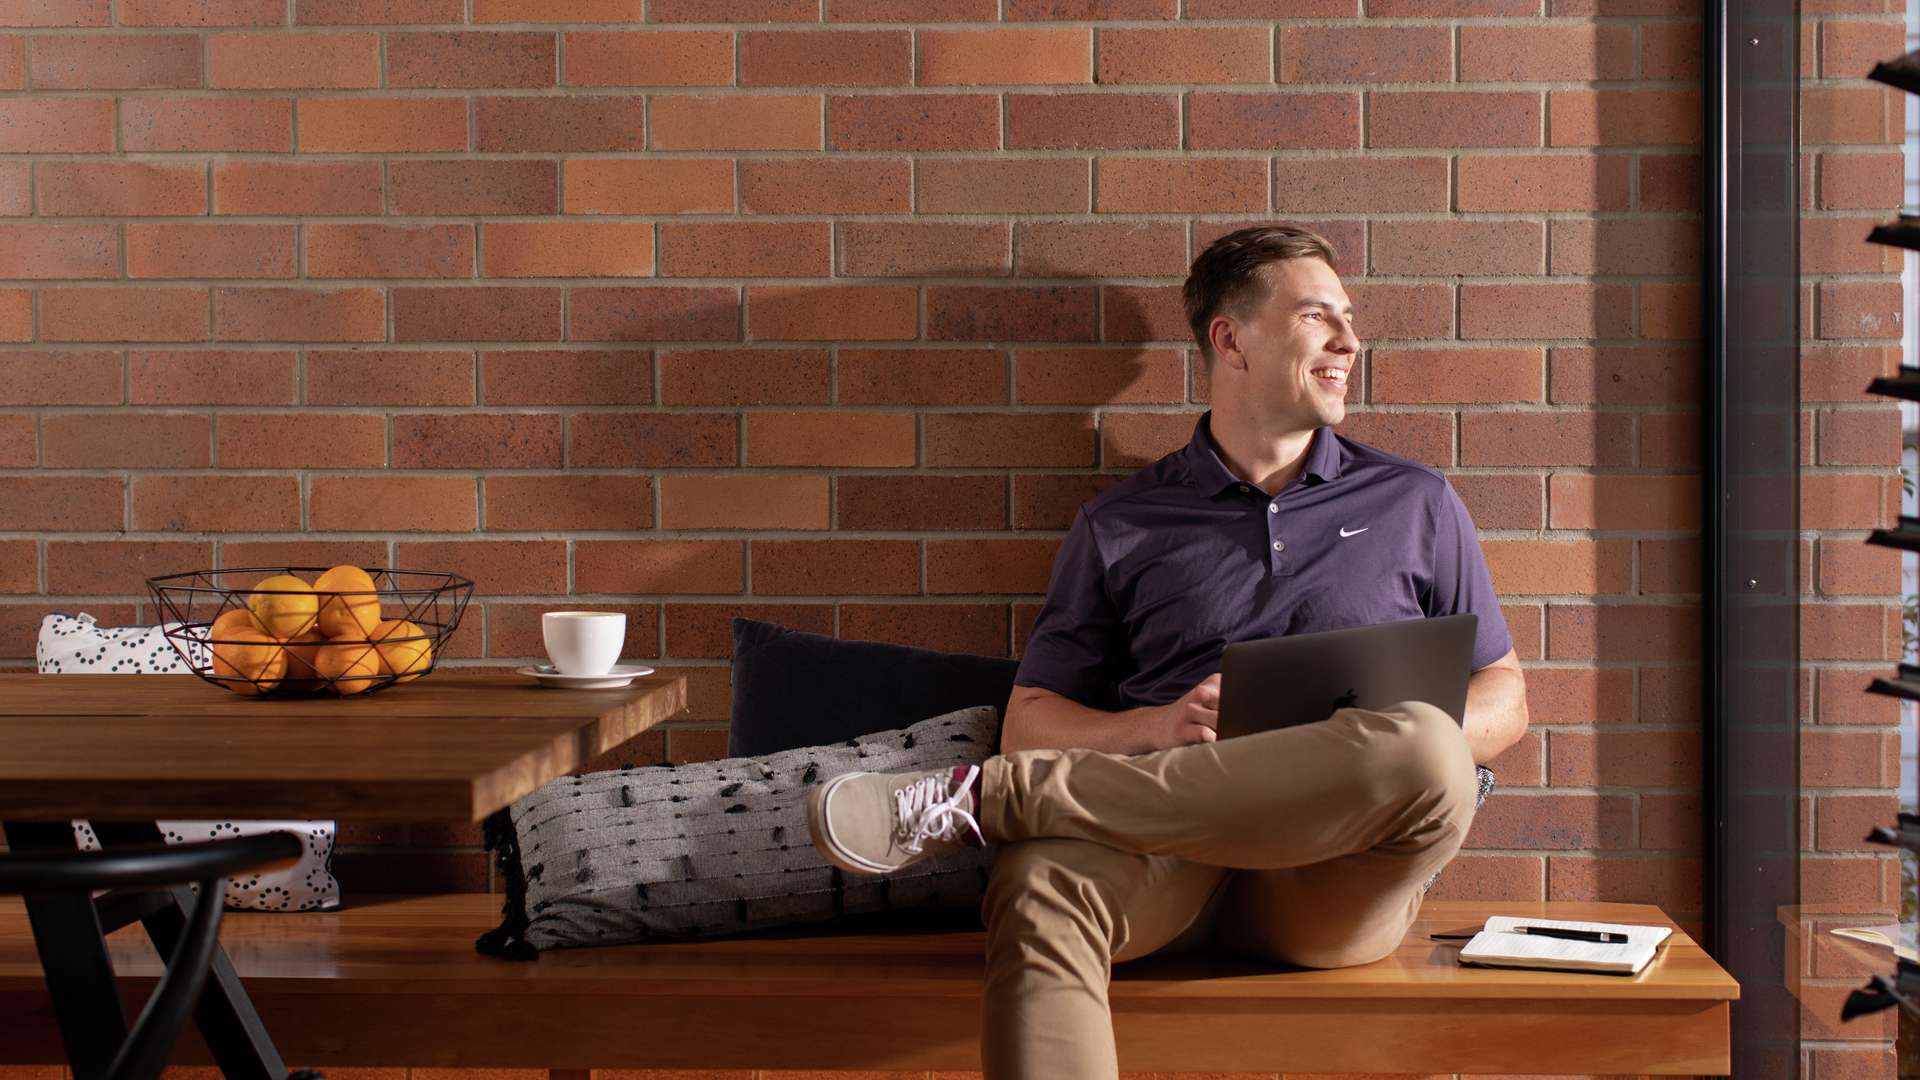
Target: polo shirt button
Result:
[[1273, 508], [1244, 488], [1279, 545]]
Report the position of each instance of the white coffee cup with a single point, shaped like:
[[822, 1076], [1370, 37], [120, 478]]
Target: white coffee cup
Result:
[[583, 642]]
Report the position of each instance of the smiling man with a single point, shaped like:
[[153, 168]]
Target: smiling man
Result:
[[1126, 827]]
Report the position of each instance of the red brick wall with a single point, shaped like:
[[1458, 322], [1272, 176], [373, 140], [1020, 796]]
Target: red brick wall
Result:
[[828, 313], [1852, 313]]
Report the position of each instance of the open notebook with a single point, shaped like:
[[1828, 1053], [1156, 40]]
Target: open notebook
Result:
[[1497, 946]]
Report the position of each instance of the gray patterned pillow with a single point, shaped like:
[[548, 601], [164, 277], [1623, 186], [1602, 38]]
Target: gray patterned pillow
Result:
[[721, 847], [716, 847]]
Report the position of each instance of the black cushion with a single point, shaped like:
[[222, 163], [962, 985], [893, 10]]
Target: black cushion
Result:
[[792, 688]]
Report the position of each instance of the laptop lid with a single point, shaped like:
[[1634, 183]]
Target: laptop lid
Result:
[[1303, 678]]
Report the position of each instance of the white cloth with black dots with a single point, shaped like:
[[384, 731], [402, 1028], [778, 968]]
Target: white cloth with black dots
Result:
[[76, 643]]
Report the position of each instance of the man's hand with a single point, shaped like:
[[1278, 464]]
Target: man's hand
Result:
[[1194, 718]]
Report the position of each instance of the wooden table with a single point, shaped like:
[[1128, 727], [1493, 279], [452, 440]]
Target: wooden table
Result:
[[450, 747], [111, 748]]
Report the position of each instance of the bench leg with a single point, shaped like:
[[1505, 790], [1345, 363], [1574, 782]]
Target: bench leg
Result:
[[225, 1016], [73, 957]]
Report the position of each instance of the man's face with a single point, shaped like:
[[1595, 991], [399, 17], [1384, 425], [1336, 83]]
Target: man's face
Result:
[[1299, 347]]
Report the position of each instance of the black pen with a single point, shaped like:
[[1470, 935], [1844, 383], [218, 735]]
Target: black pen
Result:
[[1605, 937]]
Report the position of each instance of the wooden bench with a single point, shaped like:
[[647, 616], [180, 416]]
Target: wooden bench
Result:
[[396, 982]]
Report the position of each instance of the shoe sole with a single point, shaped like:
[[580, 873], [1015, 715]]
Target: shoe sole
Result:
[[823, 843]]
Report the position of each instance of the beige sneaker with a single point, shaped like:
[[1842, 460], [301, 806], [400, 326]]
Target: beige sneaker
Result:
[[876, 823]]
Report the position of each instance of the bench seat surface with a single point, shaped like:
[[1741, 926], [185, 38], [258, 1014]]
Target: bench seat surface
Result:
[[396, 981]]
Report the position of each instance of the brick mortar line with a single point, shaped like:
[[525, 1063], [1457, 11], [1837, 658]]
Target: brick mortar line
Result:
[[975, 157], [1675, 601], [928, 598], [933, 600], [906, 345], [471, 472], [1533, 791], [740, 534], [53, 224], [1605, 854], [828, 91], [1011, 153], [762, 472], [1844, 214], [1632, 471], [682, 349], [1182, 23], [1467, 409], [373, 472], [916, 283]]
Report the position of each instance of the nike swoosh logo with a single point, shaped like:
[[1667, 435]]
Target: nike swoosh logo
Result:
[[1356, 532]]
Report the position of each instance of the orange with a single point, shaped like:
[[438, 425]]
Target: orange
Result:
[[231, 620], [347, 616], [284, 605], [250, 655], [407, 659], [350, 668], [303, 671]]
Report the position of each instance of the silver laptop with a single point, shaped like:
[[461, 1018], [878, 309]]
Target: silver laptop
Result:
[[1303, 678]]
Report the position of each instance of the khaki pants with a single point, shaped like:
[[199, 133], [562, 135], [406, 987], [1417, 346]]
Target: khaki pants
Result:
[[1308, 845]]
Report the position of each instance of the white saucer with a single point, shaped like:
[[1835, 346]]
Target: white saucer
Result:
[[620, 675]]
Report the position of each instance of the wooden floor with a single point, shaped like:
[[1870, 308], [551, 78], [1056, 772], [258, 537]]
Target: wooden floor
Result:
[[397, 982]]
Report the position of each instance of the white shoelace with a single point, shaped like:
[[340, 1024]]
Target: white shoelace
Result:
[[929, 811]]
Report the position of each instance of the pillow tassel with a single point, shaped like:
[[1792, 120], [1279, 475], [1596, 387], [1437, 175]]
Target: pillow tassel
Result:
[[508, 940]]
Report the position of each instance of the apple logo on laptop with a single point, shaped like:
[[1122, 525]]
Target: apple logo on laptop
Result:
[[1346, 700]]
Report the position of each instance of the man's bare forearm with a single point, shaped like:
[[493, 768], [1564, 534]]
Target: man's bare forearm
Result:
[[1041, 720], [1055, 722], [1496, 711]]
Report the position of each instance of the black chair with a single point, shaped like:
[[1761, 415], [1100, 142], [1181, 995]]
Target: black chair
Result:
[[59, 889]]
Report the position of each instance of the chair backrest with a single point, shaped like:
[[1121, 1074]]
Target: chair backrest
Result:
[[72, 877], [38, 873]]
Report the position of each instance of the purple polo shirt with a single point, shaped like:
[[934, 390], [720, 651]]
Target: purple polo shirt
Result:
[[1161, 571]]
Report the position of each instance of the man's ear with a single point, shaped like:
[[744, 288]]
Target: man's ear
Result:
[[1224, 335]]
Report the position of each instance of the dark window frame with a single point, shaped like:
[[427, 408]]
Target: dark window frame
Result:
[[1751, 648]]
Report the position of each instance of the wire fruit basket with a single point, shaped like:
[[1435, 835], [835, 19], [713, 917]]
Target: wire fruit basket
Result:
[[267, 631]]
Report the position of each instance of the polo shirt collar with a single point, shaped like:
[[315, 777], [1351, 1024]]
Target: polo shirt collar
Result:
[[1205, 470]]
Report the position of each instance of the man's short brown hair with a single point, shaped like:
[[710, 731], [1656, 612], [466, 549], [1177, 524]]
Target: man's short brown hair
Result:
[[1230, 275]]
